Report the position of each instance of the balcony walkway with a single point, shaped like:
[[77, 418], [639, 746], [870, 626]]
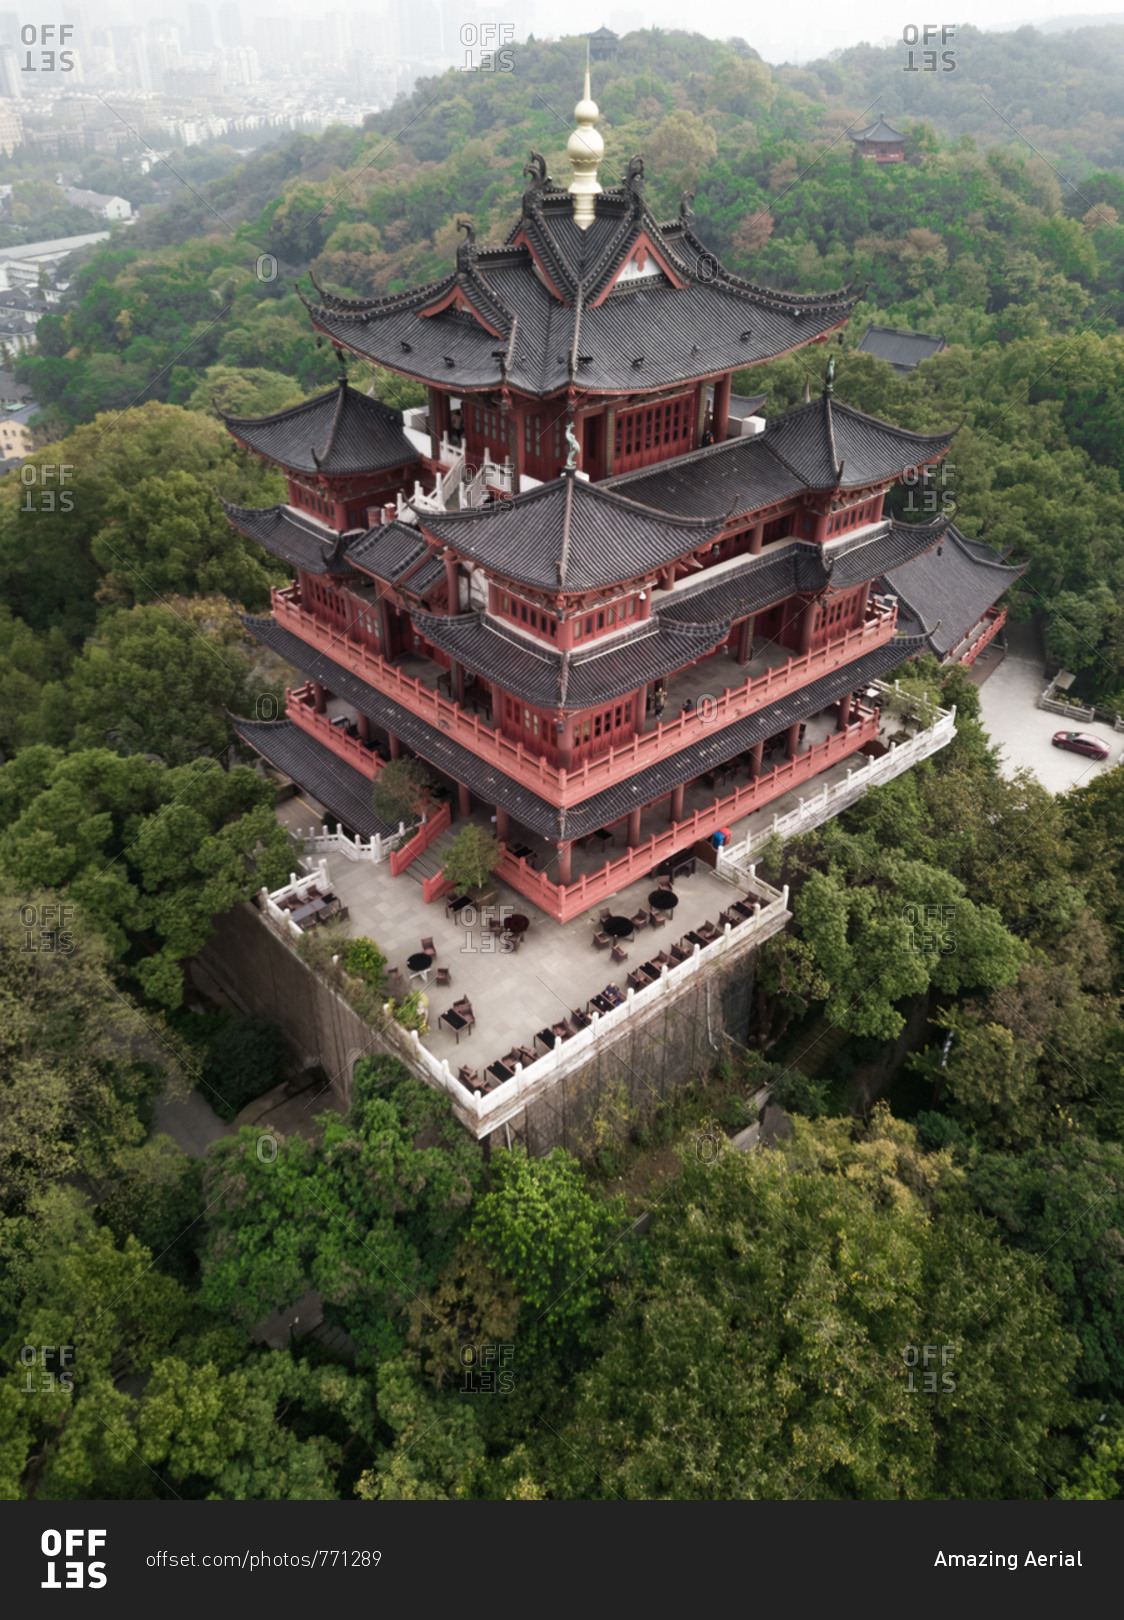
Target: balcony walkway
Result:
[[557, 967]]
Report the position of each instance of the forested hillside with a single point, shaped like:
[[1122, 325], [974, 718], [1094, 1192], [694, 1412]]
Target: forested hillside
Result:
[[752, 1339]]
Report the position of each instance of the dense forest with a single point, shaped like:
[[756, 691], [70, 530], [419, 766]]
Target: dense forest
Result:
[[751, 1337]]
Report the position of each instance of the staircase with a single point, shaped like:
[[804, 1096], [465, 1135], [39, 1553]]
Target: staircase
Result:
[[431, 860]]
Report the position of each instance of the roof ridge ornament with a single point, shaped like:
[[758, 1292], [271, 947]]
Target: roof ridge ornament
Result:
[[585, 149], [466, 250], [686, 205]]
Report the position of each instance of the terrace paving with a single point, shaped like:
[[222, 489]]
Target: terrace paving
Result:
[[557, 968]]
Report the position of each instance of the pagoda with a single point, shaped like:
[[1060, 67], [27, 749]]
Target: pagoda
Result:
[[880, 141], [520, 583]]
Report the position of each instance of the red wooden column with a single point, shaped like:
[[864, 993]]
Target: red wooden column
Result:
[[744, 643], [502, 825], [633, 828], [721, 414], [792, 740], [395, 746], [319, 697], [756, 754], [464, 801], [565, 743], [677, 803], [364, 727], [565, 851], [808, 624], [757, 535]]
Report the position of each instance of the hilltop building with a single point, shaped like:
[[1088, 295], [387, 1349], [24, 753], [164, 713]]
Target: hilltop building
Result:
[[881, 142], [901, 349], [580, 584]]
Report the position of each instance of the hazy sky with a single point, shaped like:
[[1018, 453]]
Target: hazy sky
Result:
[[809, 28]]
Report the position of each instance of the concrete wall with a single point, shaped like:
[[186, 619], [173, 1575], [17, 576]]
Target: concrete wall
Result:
[[263, 975], [638, 1066]]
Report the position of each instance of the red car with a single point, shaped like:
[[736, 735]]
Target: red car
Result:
[[1081, 742]]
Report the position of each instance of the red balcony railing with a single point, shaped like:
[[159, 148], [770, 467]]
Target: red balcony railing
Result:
[[559, 786], [564, 903]]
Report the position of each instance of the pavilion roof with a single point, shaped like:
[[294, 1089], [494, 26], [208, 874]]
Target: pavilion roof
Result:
[[570, 535], [880, 132], [341, 431], [569, 681], [297, 539], [495, 320], [949, 592]]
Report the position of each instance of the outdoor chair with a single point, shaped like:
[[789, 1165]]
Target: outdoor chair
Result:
[[429, 947], [606, 913], [619, 955], [602, 941], [656, 919], [444, 976], [580, 1019], [468, 1076], [640, 919]]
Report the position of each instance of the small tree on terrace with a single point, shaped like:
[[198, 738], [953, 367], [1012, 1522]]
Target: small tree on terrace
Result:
[[401, 790], [472, 858]]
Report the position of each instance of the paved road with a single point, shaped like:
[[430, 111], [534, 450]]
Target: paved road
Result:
[[1008, 709]]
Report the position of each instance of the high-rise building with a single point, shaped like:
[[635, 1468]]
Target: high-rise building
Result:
[[230, 26], [11, 82], [201, 35]]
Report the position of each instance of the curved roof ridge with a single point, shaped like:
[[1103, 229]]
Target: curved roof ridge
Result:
[[879, 421], [962, 541]]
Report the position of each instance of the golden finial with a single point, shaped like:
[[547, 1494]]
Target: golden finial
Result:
[[585, 149]]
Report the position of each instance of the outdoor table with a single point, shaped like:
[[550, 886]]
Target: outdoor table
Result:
[[613, 997], [309, 909], [742, 909], [548, 1038], [696, 939], [500, 1071], [604, 834], [602, 1003], [518, 924], [650, 969], [663, 900], [684, 868], [419, 965], [618, 927], [523, 852], [455, 1022]]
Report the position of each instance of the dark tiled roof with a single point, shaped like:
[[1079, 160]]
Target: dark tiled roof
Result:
[[751, 585], [948, 593], [342, 789], [569, 535], [741, 405], [902, 350], [568, 681], [537, 814], [858, 560], [647, 333], [341, 431], [756, 582], [798, 451], [882, 132], [742, 474], [398, 554], [832, 445], [290, 535]]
